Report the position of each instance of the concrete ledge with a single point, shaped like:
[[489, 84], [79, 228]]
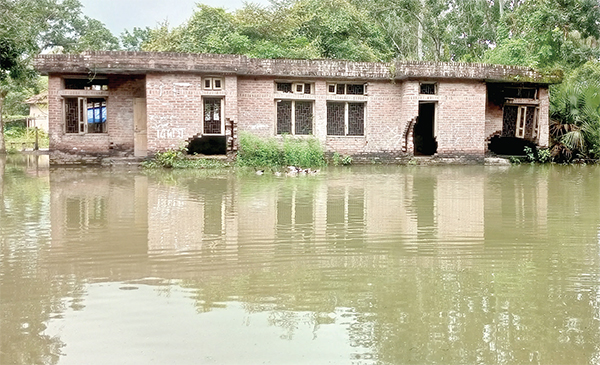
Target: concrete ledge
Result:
[[119, 62], [496, 161]]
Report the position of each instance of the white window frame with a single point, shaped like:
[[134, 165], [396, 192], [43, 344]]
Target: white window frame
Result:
[[82, 120], [293, 116], [294, 87], [520, 123], [216, 80], [329, 85], [212, 81], [297, 85]]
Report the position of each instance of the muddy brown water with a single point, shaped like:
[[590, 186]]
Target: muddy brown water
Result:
[[361, 265]]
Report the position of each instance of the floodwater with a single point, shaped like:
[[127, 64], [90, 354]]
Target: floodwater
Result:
[[361, 265]]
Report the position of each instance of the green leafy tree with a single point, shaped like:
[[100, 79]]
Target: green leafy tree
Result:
[[134, 40], [439, 30], [549, 34], [575, 114], [296, 29]]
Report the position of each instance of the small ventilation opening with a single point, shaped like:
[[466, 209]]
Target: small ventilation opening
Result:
[[208, 145]]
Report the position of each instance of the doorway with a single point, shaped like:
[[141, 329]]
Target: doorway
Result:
[[424, 130], [140, 142]]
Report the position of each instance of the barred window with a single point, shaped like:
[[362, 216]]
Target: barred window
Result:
[[428, 88], [347, 89], [285, 87], [356, 119], [294, 117], [85, 115], [284, 117], [336, 119], [296, 87], [213, 118], [345, 119], [355, 89]]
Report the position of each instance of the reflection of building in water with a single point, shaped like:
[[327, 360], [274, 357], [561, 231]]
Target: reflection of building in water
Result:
[[340, 240], [188, 219], [459, 206], [440, 205], [99, 208]]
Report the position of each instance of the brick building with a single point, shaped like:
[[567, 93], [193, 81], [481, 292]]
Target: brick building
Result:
[[138, 103]]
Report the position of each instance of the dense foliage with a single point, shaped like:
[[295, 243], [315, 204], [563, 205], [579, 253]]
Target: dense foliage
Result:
[[179, 159], [271, 153]]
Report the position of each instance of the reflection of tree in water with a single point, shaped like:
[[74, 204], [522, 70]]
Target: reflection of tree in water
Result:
[[30, 293]]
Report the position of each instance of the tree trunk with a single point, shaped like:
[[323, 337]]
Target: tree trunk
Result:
[[501, 5], [420, 42], [2, 143], [421, 19]]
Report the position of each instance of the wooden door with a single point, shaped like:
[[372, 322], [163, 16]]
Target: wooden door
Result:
[[140, 143]]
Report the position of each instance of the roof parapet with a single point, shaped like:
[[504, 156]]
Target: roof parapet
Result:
[[125, 62]]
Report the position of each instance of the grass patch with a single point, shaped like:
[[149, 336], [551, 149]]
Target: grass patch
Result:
[[178, 159], [16, 136], [270, 153]]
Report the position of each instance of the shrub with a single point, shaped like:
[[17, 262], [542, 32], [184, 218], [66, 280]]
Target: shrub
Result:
[[338, 159], [20, 134], [257, 152], [541, 155], [177, 159], [305, 152], [270, 153]]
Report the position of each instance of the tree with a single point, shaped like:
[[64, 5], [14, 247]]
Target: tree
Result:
[[438, 30], [549, 34], [302, 29], [134, 40]]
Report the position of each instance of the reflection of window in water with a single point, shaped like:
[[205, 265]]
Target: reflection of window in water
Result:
[[86, 212], [295, 215], [213, 216], [346, 215]]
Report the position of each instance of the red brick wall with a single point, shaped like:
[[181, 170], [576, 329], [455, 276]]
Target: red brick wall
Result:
[[256, 106], [384, 122], [175, 107], [493, 118], [461, 118], [122, 90], [119, 121]]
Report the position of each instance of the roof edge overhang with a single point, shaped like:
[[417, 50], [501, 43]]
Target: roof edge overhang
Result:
[[140, 63]]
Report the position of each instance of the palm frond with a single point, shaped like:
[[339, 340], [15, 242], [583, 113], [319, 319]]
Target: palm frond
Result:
[[574, 140]]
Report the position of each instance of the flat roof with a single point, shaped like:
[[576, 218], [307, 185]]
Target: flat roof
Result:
[[121, 62]]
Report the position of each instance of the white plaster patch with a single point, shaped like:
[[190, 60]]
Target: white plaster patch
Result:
[[259, 126], [170, 133]]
